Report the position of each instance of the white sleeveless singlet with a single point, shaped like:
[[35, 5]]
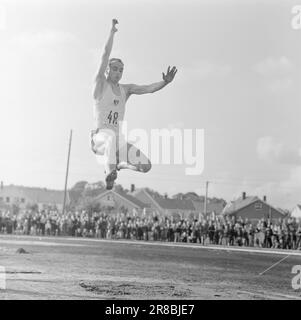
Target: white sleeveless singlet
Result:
[[109, 109]]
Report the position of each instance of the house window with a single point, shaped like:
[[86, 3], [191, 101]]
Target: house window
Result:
[[7, 199], [22, 200], [1, 199], [109, 197], [258, 206]]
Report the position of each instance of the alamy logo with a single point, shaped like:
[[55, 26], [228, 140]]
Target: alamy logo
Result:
[[163, 146], [296, 281], [2, 278], [296, 21]]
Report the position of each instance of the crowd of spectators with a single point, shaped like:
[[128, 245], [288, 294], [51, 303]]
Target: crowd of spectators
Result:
[[284, 233]]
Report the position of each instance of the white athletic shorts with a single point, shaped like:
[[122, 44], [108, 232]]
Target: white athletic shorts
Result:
[[105, 144]]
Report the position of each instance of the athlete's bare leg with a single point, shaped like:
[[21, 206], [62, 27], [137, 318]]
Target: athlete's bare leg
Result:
[[110, 163], [102, 144]]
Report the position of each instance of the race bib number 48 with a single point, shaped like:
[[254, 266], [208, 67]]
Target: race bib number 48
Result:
[[113, 118]]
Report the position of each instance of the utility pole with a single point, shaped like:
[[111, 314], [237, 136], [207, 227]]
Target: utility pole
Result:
[[205, 205], [67, 172]]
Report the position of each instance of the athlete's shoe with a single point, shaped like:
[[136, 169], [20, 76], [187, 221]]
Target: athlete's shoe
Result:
[[110, 178]]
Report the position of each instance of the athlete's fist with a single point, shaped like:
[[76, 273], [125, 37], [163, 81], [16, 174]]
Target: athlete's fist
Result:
[[170, 74], [114, 22]]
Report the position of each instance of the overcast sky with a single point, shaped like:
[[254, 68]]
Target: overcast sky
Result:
[[239, 70]]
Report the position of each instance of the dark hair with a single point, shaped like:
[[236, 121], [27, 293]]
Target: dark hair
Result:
[[112, 60]]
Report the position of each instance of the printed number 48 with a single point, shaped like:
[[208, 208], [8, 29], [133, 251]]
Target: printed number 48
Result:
[[113, 118]]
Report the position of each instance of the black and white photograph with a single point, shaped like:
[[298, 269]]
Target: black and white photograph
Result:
[[150, 151]]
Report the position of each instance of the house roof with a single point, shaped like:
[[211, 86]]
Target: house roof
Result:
[[126, 196], [39, 195], [240, 203], [12, 190], [136, 191], [132, 199], [169, 204], [175, 204], [148, 195], [216, 207], [236, 205], [45, 196]]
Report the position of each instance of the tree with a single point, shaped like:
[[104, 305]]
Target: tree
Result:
[[80, 185], [75, 193], [93, 190], [191, 196], [179, 196], [119, 187]]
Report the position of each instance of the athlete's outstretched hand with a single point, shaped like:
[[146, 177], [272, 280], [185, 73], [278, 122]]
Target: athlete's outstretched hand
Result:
[[170, 74], [114, 22]]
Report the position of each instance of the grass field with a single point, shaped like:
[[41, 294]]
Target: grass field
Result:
[[75, 268]]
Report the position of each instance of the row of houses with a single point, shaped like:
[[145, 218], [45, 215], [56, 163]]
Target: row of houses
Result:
[[25, 197], [143, 201], [251, 207]]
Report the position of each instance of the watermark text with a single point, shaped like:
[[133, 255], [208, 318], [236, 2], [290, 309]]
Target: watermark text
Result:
[[296, 281], [2, 278], [296, 20]]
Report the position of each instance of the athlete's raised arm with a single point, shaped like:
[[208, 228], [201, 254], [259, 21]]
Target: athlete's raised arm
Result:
[[100, 77], [142, 89]]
